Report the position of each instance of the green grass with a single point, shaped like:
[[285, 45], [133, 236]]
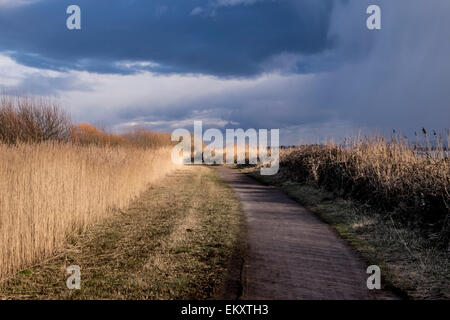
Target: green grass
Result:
[[410, 266], [179, 240]]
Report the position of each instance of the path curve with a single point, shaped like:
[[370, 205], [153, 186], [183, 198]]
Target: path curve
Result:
[[291, 253]]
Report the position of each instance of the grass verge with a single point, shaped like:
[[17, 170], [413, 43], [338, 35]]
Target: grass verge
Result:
[[410, 266], [177, 241]]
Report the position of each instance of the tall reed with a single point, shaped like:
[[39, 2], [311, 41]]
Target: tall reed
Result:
[[410, 183], [52, 189]]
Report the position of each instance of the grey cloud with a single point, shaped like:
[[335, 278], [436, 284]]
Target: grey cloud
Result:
[[236, 41]]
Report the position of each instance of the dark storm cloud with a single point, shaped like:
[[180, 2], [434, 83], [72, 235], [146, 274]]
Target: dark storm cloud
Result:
[[394, 78], [401, 76], [223, 38], [309, 64]]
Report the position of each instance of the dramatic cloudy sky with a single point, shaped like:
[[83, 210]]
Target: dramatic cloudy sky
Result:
[[308, 67]]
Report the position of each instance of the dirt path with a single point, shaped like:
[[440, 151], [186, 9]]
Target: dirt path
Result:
[[292, 254]]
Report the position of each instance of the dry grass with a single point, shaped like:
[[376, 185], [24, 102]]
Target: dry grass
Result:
[[388, 198], [86, 134], [176, 241], [51, 190], [57, 178], [410, 184]]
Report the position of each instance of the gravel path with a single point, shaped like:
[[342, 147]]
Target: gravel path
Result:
[[291, 253]]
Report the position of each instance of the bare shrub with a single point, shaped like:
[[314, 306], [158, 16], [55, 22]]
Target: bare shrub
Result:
[[31, 119]]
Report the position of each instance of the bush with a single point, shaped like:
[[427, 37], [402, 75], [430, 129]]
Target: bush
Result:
[[27, 119], [86, 134], [394, 177], [147, 139]]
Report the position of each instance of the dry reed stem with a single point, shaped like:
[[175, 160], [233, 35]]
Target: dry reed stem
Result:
[[50, 190]]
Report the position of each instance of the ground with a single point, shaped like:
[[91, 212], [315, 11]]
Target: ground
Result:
[[293, 255], [411, 267], [211, 233], [179, 240]]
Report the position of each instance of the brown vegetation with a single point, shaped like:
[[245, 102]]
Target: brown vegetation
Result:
[[86, 134], [407, 183], [52, 189], [57, 178], [173, 242], [26, 119], [29, 119]]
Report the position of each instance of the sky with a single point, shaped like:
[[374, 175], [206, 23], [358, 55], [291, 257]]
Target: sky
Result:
[[310, 68]]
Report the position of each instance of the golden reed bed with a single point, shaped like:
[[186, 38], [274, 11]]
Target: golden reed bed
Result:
[[50, 190]]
